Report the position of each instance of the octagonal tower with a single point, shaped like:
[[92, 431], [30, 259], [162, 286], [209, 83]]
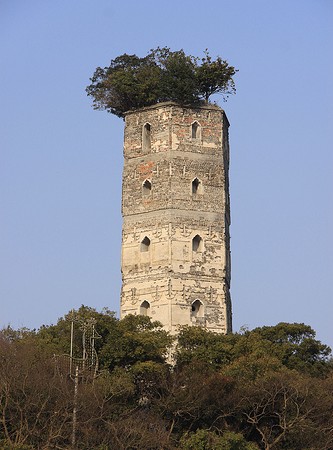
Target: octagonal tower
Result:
[[176, 216]]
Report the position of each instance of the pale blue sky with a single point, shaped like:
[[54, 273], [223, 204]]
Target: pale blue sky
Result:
[[61, 162]]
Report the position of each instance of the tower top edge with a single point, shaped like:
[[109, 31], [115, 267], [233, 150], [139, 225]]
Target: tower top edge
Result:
[[168, 104]]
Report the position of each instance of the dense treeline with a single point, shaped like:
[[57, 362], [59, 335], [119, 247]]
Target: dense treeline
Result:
[[270, 388]]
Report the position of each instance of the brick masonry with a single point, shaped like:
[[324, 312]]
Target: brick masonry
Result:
[[176, 217]]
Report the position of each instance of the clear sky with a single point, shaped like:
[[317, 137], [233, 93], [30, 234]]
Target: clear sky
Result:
[[61, 161]]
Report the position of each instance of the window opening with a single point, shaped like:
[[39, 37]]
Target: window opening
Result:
[[146, 136], [197, 309], [145, 308], [146, 187], [196, 186], [195, 130], [197, 243], [145, 243]]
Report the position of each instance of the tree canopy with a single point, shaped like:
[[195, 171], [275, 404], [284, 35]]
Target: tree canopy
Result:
[[270, 388], [132, 82]]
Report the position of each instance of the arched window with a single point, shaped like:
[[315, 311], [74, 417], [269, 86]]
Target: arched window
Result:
[[196, 186], [146, 187], [195, 130], [197, 243], [146, 136], [197, 309], [145, 308], [145, 244]]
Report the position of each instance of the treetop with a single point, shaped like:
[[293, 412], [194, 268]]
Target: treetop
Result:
[[131, 82]]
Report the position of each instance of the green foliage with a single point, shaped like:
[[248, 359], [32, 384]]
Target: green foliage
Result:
[[269, 388], [209, 440], [58, 336], [214, 77], [177, 76], [291, 345], [135, 339], [251, 367], [296, 347], [198, 344], [131, 82], [120, 343]]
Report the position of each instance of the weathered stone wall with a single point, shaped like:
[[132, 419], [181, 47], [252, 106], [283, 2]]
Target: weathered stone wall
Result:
[[176, 216]]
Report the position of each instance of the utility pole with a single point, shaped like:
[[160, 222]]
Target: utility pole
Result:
[[76, 388], [86, 368]]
